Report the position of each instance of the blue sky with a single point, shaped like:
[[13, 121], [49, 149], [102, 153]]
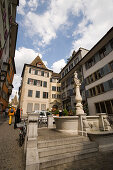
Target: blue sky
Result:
[[54, 28]]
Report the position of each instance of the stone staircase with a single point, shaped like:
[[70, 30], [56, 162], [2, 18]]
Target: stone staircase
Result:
[[56, 154]]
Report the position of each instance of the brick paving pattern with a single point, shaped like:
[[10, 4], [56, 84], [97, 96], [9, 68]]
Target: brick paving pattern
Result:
[[11, 155]]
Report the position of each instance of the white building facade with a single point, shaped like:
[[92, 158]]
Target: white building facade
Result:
[[39, 88]]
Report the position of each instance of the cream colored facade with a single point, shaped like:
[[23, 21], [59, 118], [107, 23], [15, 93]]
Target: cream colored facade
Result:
[[99, 76], [29, 104]]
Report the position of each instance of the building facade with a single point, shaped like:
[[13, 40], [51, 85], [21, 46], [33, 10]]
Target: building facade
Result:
[[95, 71], [98, 75], [40, 89], [8, 36], [67, 80]]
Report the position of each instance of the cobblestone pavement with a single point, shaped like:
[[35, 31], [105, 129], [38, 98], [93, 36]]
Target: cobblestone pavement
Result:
[[11, 155]]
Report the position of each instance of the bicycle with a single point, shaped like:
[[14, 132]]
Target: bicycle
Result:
[[22, 133]]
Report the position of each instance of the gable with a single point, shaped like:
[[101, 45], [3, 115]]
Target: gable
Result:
[[37, 62]]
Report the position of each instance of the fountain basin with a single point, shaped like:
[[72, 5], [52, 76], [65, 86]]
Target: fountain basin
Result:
[[67, 124], [103, 138]]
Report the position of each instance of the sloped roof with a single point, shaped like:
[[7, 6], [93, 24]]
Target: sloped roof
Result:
[[55, 75], [38, 60]]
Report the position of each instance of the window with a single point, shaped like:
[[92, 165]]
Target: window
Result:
[[29, 107], [98, 89], [44, 84], [42, 73], [110, 84], [39, 83], [39, 73], [30, 93], [103, 109], [66, 71], [99, 74], [111, 43], [108, 107], [36, 106], [43, 106], [106, 69], [58, 96], [63, 74], [45, 95], [94, 91], [46, 74], [91, 92], [29, 70], [95, 76], [37, 94], [102, 53], [106, 86], [58, 89], [91, 78], [33, 71], [39, 64], [76, 61], [54, 96], [35, 82], [36, 72], [97, 57], [30, 81], [111, 65], [70, 66], [53, 88], [102, 88], [97, 108]]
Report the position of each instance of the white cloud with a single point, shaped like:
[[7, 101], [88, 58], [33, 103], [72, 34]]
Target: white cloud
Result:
[[33, 4], [22, 55], [96, 22], [20, 9], [97, 19], [47, 25], [58, 65]]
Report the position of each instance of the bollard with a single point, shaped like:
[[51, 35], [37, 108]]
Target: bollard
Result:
[[50, 121]]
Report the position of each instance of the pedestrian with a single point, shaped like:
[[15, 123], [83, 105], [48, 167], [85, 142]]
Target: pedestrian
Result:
[[21, 112], [17, 117], [11, 113], [6, 112]]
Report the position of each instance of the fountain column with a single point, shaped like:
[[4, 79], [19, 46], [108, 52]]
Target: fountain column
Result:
[[83, 126], [78, 98]]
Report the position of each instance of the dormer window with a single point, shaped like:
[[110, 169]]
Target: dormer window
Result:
[[39, 64]]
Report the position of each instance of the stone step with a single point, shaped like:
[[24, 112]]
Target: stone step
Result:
[[56, 150], [61, 159], [63, 141]]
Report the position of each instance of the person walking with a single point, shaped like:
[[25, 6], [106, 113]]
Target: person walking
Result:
[[6, 112], [17, 118], [11, 113]]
